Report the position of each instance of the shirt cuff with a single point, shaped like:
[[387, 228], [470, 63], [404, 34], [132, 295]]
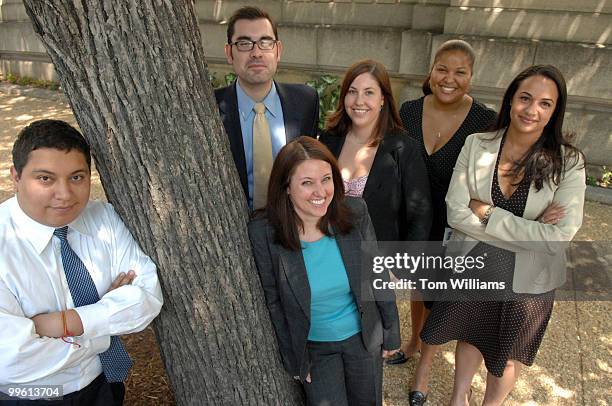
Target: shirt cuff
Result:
[[95, 320]]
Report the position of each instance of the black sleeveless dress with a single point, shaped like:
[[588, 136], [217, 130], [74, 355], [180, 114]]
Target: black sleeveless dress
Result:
[[501, 330], [440, 164]]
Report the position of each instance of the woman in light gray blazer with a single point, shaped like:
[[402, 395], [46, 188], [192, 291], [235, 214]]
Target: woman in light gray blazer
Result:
[[516, 195], [332, 327]]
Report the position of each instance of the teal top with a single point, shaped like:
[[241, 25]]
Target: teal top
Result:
[[333, 311]]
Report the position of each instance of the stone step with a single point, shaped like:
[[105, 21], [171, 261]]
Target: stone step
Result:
[[587, 6], [594, 28], [321, 46], [13, 10], [420, 14]]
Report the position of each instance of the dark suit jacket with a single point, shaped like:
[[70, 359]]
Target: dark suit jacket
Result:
[[300, 105], [287, 291], [397, 189]]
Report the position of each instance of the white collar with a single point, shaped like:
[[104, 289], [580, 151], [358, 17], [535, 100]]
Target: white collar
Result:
[[38, 234]]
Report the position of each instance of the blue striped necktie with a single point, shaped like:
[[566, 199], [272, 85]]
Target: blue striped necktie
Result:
[[116, 362]]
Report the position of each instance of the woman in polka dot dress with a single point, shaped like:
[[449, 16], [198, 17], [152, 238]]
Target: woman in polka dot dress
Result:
[[521, 190], [439, 122]]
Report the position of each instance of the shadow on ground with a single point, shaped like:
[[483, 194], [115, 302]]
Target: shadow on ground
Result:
[[573, 366]]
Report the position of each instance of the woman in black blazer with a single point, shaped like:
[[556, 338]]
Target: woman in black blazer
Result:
[[378, 161], [332, 326], [365, 133], [396, 191]]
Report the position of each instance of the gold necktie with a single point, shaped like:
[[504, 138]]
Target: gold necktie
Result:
[[262, 156]]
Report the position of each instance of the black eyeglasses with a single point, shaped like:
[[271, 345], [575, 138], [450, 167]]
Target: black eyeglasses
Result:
[[245, 45]]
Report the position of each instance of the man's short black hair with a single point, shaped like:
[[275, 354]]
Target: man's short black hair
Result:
[[248, 13], [54, 134]]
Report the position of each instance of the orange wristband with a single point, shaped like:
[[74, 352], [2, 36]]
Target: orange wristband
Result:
[[66, 332], [64, 325]]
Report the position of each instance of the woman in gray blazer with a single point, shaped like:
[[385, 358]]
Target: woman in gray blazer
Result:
[[516, 197], [332, 326]]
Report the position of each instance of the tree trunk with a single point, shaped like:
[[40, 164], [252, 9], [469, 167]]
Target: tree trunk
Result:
[[135, 75]]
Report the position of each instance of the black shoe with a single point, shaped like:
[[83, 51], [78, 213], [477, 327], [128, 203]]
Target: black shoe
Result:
[[397, 358], [416, 398]]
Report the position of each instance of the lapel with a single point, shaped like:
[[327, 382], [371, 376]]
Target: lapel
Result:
[[228, 108], [484, 166], [291, 112], [537, 201], [292, 263], [484, 159], [383, 159], [337, 145], [350, 250]]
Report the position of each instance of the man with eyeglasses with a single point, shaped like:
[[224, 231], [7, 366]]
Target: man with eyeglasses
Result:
[[260, 115]]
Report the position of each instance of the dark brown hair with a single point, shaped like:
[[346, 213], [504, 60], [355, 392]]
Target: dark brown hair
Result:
[[449, 46], [55, 134], [339, 123], [544, 161], [248, 13], [279, 209]]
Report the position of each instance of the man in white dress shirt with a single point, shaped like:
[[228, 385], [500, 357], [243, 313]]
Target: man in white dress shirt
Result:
[[72, 278]]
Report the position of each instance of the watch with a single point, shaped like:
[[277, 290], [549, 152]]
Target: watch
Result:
[[485, 219]]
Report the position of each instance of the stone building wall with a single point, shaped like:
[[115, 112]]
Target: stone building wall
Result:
[[327, 36]]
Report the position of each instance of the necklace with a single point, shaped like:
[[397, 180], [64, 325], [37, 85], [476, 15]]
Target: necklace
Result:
[[448, 120]]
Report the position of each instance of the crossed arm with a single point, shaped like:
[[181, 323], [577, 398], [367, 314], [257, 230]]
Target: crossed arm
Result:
[[29, 347], [558, 221], [551, 215], [52, 324]]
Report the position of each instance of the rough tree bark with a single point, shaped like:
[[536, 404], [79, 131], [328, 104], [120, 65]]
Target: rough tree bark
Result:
[[135, 75]]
